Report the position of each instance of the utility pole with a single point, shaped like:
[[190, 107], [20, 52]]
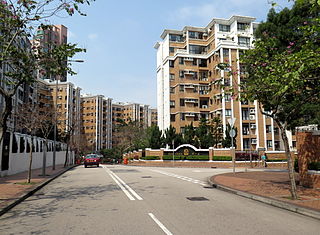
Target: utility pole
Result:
[[173, 151]]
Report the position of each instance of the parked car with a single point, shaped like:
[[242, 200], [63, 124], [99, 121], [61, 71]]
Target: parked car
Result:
[[91, 159]]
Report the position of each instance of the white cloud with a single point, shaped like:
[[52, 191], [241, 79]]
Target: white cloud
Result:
[[93, 36]]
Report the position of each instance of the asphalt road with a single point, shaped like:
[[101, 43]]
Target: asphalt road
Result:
[[145, 200]]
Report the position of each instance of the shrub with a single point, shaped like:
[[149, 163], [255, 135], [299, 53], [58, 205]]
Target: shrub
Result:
[[176, 157], [197, 157], [222, 158], [150, 158], [314, 166], [276, 160]]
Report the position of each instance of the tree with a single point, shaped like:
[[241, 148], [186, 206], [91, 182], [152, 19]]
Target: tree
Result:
[[283, 72], [18, 22], [171, 136], [227, 143], [28, 120], [204, 135], [216, 131], [189, 134], [155, 137]]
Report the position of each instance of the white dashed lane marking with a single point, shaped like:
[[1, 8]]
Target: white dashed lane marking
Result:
[[182, 177]]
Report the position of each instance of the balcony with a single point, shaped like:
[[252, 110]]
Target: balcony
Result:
[[181, 51]]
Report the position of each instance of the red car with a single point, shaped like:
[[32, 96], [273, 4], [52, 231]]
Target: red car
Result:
[[91, 159]]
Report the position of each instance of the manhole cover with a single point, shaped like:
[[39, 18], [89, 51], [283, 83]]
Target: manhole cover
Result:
[[197, 199], [146, 177]]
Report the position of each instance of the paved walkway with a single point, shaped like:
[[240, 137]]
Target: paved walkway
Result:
[[274, 185], [13, 187]]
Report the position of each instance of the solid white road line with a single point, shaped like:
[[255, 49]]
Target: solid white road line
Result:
[[125, 188], [182, 177], [164, 229]]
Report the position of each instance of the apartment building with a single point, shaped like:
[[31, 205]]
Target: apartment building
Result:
[[154, 117], [46, 39], [187, 75], [96, 111], [126, 112], [66, 99]]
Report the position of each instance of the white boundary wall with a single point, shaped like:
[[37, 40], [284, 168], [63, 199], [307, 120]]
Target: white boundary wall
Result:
[[19, 161]]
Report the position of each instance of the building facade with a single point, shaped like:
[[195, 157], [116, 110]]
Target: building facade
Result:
[[189, 74], [96, 111]]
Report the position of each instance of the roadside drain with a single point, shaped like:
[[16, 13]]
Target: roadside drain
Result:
[[146, 177], [197, 199]]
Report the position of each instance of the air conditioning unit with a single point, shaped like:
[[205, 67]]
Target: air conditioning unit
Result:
[[252, 111], [204, 106], [252, 117], [253, 141], [253, 126]]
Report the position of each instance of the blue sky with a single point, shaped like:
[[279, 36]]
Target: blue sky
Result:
[[120, 62]]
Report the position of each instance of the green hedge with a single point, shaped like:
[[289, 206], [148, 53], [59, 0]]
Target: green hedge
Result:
[[150, 158], [222, 158], [170, 157], [314, 166], [197, 158], [276, 160]]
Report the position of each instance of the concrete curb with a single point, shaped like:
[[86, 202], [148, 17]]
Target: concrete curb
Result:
[[268, 201], [31, 192]]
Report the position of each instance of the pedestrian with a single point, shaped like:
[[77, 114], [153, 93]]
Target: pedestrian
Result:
[[264, 160]]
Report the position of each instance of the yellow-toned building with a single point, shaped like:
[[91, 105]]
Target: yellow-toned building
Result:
[[187, 76], [96, 113]]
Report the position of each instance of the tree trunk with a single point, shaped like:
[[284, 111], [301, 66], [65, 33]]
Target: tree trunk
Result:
[[66, 159], [293, 185], [5, 115], [30, 162], [44, 162]]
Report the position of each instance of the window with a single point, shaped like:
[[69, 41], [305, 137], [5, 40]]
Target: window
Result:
[[227, 82], [181, 74], [171, 49], [224, 28], [181, 60], [246, 144], [172, 90], [242, 26], [195, 61], [181, 88], [172, 103], [203, 63], [228, 112], [182, 103], [171, 63], [171, 76], [268, 129], [175, 38], [269, 143], [195, 35], [172, 117], [244, 41], [227, 97], [245, 129], [196, 49], [182, 116], [245, 114], [225, 52]]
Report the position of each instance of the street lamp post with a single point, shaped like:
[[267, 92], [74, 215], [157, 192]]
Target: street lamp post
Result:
[[173, 151], [232, 134]]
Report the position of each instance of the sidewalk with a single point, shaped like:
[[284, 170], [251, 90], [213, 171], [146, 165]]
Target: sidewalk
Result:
[[271, 185], [13, 190]]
